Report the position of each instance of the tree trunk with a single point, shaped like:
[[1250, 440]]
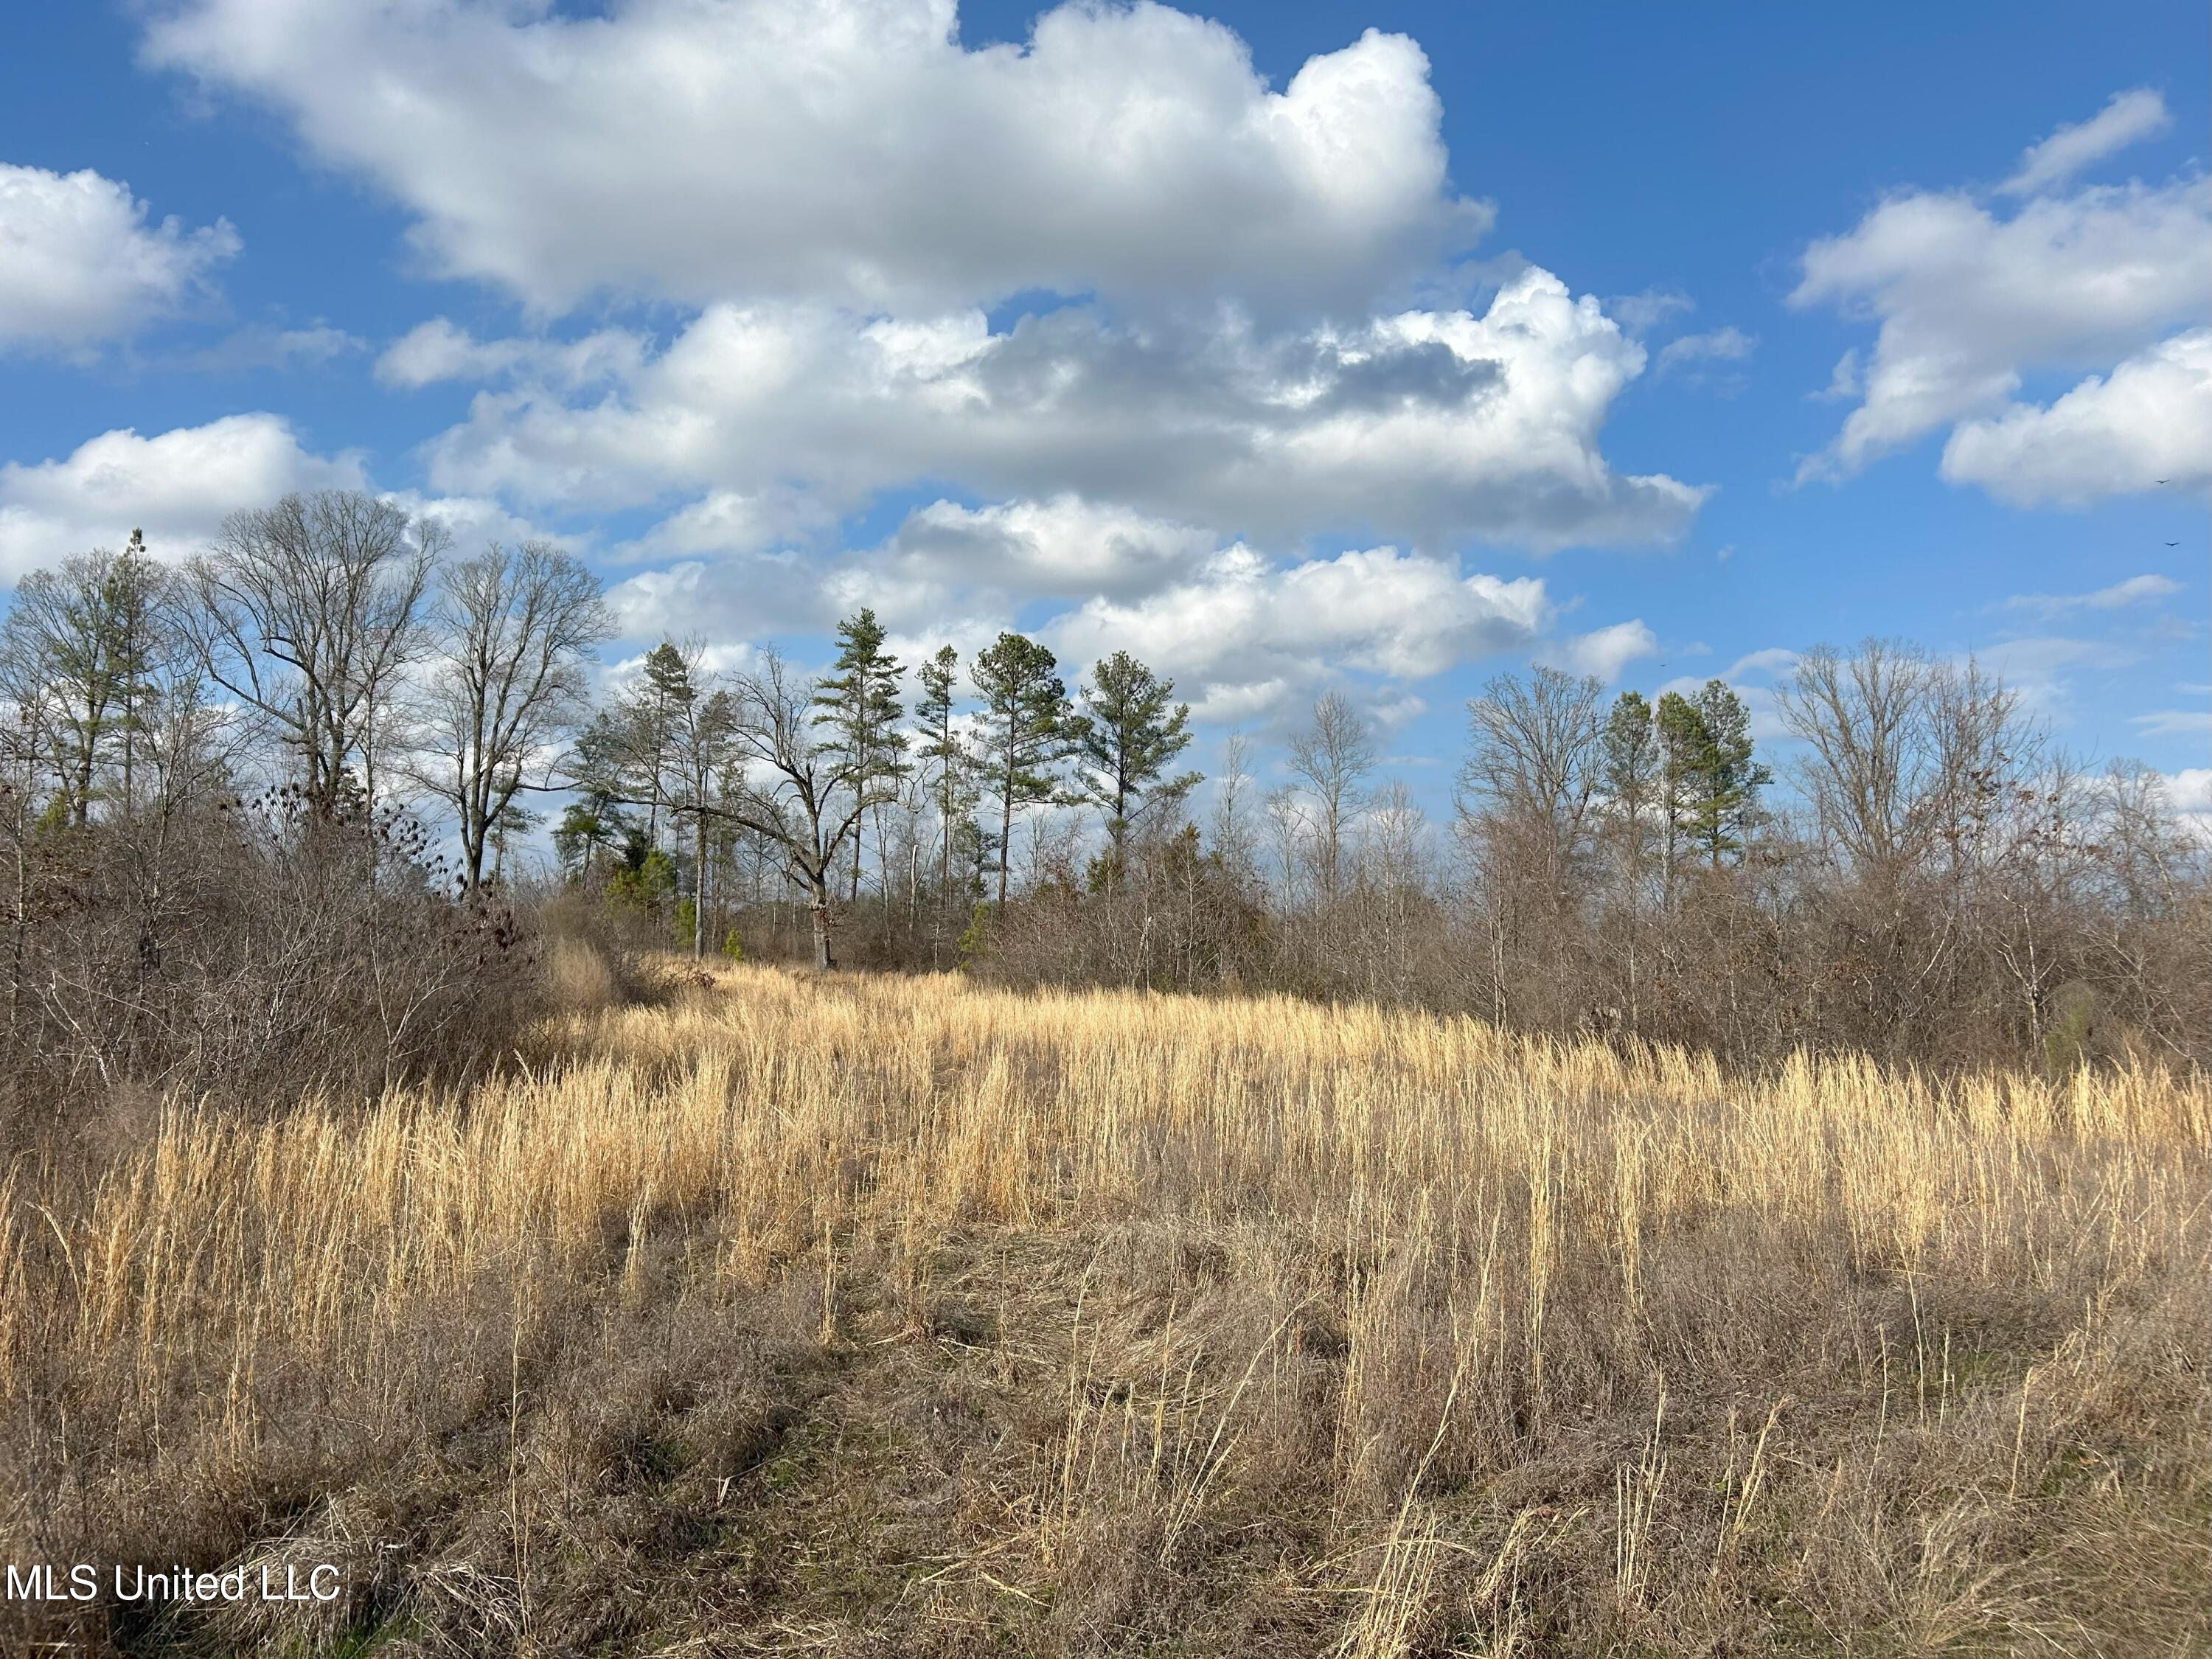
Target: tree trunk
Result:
[[884, 914], [818, 913], [944, 855], [699, 889], [369, 799], [22, 921], [1117, 838], [129, 724], [473, 837]]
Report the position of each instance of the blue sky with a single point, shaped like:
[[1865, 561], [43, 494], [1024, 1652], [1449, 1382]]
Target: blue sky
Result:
[[1381, 361]]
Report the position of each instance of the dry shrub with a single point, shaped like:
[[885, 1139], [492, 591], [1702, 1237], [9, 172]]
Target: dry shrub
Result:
[[581, 979], [597, 956], [246, 951], [905, 1317]]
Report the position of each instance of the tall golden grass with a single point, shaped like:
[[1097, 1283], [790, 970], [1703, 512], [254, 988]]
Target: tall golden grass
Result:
[[1254, 1325]]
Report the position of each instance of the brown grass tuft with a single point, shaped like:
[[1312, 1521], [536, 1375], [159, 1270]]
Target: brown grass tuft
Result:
[[581, 979]]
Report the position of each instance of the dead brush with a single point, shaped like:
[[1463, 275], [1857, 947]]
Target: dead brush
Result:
[[580, 977]]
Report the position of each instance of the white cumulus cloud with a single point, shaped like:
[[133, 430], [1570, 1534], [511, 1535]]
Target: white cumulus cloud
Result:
[[1244, 634], [1604, 652], [80, 262], [1064, 548], [1969, 300], [177, 486], [1239, 345], [2128, 117], [442, 350], [1434, 426], [853, 150], [2146, 423], [2189, 796]]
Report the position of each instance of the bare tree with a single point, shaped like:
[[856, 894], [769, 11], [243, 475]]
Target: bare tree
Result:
[[22, 746], [1393, 875], [1230, 827], [789, 787], [702, 733], [1534, 766], [516, 627], [1333, 756], [2142, 930], [307, 612], [1979, 741], [1868, 769], [1287, 830], [81, 644]]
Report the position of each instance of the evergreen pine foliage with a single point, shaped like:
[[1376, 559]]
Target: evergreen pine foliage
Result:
[[1711, 781], [1124, 742], [950, 766], [1026, 721]]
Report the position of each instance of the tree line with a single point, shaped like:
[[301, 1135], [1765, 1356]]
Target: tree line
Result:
[[217, 779], [764, 775], [334, 711]]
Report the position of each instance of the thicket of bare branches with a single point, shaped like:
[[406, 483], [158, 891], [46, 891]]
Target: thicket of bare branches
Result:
[[215, 885], [249, 951], [1929, 879]]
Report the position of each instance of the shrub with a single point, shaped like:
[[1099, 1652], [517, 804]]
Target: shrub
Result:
[[251, 952]]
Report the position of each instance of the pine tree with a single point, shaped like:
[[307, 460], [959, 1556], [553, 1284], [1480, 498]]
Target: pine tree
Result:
[[663, 689], [586, 826], [663, 747], [1124, 743], [131, 596], [945, 754], [1733, 779], [1026, 717], [859, 702], [1709, 781], [1629, 776], [1681, 736]]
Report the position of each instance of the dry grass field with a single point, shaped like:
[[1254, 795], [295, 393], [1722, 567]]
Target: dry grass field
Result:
[[885, 1317]]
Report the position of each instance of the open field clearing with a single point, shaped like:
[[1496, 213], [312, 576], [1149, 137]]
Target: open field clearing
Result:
[[878, 1317]]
